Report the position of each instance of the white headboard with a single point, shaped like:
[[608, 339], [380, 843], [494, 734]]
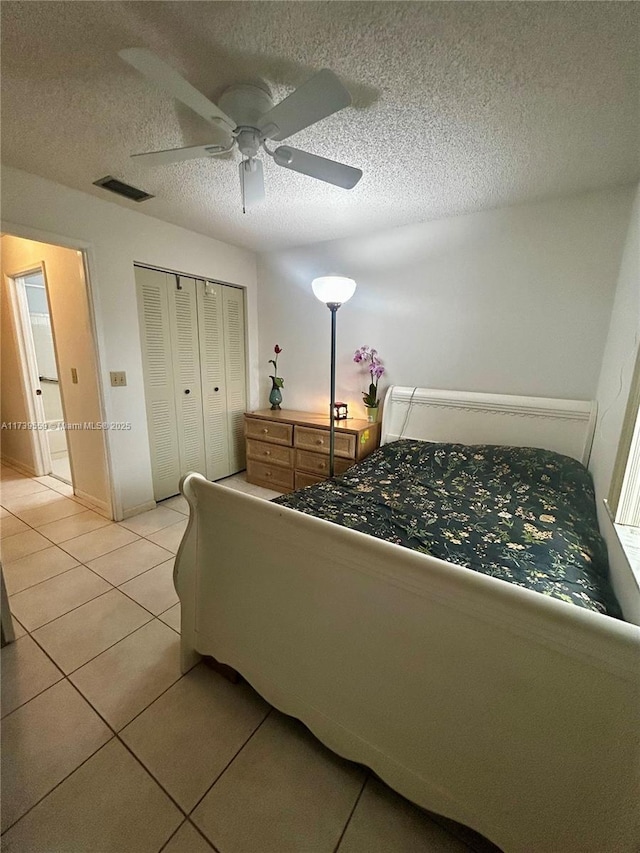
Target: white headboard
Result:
[[467, 417]]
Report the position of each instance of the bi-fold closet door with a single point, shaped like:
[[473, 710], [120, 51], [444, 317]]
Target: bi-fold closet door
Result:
[[193, 349]]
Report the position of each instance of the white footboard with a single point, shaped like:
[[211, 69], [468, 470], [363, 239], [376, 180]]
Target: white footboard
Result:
[[510, 712]]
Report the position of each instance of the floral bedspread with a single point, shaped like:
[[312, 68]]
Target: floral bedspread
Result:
[[524, 515]]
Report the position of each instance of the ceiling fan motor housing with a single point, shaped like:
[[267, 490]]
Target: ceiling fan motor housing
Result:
[[246, 103]]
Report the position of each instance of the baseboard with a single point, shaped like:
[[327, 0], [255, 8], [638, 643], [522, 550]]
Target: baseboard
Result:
[[136, 510], [93, 503], [20, 466]]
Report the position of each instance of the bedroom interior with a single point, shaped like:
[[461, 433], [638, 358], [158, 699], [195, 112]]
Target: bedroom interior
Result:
[[389, 699]]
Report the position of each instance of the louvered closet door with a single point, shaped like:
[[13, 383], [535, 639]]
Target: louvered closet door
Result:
[[153, 312], [235, 374], [186, 374], [214, 391]]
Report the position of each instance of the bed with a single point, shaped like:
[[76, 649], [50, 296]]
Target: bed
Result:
[[514, 712]]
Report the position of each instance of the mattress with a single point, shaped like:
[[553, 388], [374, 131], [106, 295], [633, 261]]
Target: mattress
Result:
[[523, 515]]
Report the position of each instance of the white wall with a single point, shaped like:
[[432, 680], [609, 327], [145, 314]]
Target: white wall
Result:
[[515, 300], [612, 395], [116, 237]]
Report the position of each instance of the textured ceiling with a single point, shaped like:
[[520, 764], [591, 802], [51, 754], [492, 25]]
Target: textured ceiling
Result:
[[457, 106]]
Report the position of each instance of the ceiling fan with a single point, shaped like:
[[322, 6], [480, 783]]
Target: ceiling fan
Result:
[[248, 116]]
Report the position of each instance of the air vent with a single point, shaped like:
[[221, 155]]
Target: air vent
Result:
[[116, 186]]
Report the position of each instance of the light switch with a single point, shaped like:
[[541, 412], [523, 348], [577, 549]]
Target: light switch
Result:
[[118, 378], [74, 376]]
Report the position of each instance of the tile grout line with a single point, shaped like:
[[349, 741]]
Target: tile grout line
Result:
[[367, 776], [115, 735], [84, 761], [187, 821], [86, 566], [33, 585], [201, 833], [231, 760], [106, 649], [71, 609], [173, 835], [181, 676], [44, 689]]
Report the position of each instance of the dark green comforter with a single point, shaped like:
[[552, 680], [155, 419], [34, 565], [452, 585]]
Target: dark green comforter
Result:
[[523, 515]]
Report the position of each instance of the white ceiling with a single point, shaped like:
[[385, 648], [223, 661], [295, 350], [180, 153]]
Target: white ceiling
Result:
[[457, 106]]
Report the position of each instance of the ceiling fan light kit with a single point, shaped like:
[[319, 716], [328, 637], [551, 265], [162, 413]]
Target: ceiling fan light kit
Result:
[[247, 113]]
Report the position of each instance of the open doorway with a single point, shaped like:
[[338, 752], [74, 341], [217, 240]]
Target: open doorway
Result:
[[34, 316], [51, 404]]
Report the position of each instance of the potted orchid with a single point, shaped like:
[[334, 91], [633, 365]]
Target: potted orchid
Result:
[[277, 382], [369, 356]]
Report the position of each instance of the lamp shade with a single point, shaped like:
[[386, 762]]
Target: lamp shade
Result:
[[333, 288]]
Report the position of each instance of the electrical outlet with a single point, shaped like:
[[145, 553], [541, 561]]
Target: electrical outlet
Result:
[[118, 378]]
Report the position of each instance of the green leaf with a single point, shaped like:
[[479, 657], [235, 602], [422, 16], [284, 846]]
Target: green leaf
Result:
[[279, 381]]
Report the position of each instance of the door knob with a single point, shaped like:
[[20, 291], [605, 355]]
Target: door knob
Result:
[[38, 392]]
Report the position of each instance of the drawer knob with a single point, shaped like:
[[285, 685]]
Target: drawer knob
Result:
[[322, 465], [320, 441], [267, 473], [267, 453], [265, 430]]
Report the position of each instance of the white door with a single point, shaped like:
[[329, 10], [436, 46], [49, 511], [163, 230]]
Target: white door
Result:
[[160, 396], [185, 352], [214, 383], [223, 371], [235, 375]]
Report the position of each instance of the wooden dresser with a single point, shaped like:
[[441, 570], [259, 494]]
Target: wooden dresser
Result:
[[287, 450]]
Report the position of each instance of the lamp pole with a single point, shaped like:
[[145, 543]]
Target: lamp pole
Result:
[[333, 307], [334, 291]]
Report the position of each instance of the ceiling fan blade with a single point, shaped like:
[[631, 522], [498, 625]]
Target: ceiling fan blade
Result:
[[317, 167], [321, 95], [167, 78], [177, 155], [252, 183]]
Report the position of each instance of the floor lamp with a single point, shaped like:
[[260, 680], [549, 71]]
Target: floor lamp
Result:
[[334, 291]]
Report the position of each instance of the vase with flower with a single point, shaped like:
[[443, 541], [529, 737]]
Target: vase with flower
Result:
[[369, 357], [277, 382]]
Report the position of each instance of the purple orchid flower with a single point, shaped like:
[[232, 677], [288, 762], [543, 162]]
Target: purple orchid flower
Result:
[[370, 356]]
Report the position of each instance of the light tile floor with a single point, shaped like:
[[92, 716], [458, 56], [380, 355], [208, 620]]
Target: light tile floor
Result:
[[105, 745]]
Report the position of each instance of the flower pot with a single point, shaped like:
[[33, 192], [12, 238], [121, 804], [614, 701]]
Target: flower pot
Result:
[[275, 397], [372, 414]]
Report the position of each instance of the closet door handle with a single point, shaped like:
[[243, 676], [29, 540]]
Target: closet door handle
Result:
[[187, 390], [39, 392], [216, 389]]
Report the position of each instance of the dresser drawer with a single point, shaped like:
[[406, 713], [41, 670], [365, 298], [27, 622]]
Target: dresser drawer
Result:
[[270, 431], [318, 440], [270, 476], [303, 479], [261, 451], [317, 463]]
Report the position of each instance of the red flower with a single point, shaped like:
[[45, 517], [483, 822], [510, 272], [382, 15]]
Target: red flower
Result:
[[277, 349]]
